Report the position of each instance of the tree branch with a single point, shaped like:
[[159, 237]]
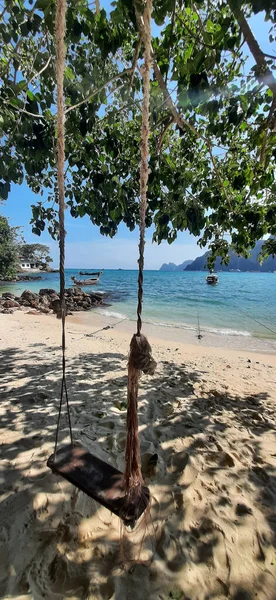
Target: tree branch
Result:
[[26, 112], [17, 47], [3, 12], [162, 135], [217, 173], [179, 120], [41, 70], [270, 56], [170, 42], [126, 72], [266, 136], [135, 60], [264, 74]]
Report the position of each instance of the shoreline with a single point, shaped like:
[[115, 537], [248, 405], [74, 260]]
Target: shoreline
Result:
[[97, 325], [182, 302], [124, 328]]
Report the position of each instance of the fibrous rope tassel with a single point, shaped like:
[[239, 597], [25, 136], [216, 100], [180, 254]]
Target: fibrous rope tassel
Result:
[[140, 358]]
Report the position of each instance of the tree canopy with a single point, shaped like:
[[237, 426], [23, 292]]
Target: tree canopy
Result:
[[213, 118], [39, 252], [9, 246]]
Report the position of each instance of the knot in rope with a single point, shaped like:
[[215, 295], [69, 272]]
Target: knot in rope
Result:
[[140, 356]]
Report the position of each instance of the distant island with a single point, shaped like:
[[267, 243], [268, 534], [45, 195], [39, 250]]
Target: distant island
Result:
[[236, 263], [172, 267]]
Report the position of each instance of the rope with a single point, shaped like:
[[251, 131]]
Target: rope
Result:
[[60, 29], [253, 319], [140, 358], [144, 168], [199, 334]]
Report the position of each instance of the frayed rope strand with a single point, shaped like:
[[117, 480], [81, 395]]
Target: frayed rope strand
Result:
[[140, 358]]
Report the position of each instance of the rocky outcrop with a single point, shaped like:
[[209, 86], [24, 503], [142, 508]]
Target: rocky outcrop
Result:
[[172, 267], [47, 301], [22, 278], [237, 263], [28, 278]]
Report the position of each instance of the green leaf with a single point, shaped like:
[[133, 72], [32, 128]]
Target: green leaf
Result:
[[24, 29], [16, 102], [210, 27], [4, 190], [41, 4], [22, 84], [30, 95], [68, 73]]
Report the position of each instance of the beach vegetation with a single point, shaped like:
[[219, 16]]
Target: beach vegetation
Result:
[[9, 249], [39, 252], [213, 118]]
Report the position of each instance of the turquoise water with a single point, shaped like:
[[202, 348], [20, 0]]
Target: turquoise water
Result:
[[230, 308]]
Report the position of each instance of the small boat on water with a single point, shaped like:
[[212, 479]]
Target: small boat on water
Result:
[[85, 281], [92, 274], [212, 278]]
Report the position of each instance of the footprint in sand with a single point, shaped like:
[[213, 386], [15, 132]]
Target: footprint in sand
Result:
[[242, 510], [182, 468], [107, 424], [128, 583], [149, 464], [219, 459], [52, 575]]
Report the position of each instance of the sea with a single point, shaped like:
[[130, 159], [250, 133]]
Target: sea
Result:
[[241, 304]]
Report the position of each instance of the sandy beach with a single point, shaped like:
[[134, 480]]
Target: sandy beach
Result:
[[208, 414]]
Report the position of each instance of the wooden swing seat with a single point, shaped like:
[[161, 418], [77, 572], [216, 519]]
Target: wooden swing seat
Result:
[[98, 480]]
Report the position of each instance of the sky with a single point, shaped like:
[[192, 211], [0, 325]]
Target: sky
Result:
[[85, 247]]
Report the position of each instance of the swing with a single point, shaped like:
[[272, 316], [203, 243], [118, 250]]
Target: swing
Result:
[[124, 494]]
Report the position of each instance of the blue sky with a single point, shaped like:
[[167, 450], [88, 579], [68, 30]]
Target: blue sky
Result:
[[85, 247]]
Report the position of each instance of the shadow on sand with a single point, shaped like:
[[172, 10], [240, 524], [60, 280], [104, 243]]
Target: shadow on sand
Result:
[[47, 552]]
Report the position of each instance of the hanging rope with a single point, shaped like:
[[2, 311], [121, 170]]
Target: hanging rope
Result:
[[60, 29], [140, 358], [199, 334], [144, 168]]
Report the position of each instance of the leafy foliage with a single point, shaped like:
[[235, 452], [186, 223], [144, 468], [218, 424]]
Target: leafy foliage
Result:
[[39, 252], [212, 155], [8, 250]]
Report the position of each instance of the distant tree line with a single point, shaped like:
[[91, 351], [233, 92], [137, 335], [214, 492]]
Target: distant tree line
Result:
[[13, 248]]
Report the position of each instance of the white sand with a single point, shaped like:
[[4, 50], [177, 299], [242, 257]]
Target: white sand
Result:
[[208, 413]]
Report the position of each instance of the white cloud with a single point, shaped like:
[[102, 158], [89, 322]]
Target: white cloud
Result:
[[123, 253]]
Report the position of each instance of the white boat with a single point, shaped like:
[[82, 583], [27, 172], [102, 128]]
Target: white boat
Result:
[[212, 279]]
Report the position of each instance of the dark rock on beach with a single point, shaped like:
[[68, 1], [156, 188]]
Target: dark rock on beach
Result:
[[29, 296], [47, 301], [47, 292], [8, 295], [28, 278], [9, 303], [21, 278]]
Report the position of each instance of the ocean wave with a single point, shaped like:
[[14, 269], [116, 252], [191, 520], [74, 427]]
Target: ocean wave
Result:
[[186, 326], [227, 332], [113, 314]]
